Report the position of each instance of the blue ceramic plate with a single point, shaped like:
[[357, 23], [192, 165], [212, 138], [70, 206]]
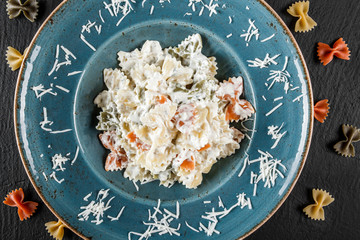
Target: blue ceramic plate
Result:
[[81, 38]]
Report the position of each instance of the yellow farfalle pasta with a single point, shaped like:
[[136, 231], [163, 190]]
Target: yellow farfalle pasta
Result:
[[300, 9], [56, 229], [14, 58], [315, 211]]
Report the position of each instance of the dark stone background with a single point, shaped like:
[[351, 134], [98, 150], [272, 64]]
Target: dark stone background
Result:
[[338, 81]]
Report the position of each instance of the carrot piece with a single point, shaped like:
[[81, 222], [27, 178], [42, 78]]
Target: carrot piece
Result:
[[16, 199], [132, 137], [207, 146], [188, 164], [162, 99]]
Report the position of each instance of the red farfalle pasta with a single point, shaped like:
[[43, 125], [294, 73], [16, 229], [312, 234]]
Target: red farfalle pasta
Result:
[[327, 53], [16, 199], [321, 110]]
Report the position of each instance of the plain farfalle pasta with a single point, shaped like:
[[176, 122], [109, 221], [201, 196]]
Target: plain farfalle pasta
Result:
[[300, 9], [16, 199], [55, 229], [321, 110], [315, 211], [327, 53], [29, 8], [345, 147], [166, 117], [14, 58]]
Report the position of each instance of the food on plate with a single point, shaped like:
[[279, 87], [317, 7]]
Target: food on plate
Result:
[[315, 211], [165, 116], [321, 110], [300, 9], [16, 199], [327, 53], [345, 147]]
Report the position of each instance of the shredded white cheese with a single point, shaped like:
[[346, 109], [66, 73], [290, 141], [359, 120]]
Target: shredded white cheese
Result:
[[274, 131], [118, 216], [41, 91], [251, 32], [101, 18], [43, 173], [67, 61], [58, 160], [268, 38], [62, 88], [159, 226], [263, 63], [82, 37], [76, 155], [274, 109], [298, 98], [53, 176], [280, 76], [96, 208], [214, 217], [74, 73], [86, 198], [192, 228]]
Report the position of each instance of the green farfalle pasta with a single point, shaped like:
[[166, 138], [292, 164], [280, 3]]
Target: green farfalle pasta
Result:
[[29, 8], [345, 147]]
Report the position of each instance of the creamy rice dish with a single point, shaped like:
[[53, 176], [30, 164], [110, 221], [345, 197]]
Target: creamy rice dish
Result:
[[165, 116]]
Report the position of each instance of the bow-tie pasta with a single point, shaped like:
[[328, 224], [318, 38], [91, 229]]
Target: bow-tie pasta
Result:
[[16, 199], [345, 147], [29, 8], [315, 211], [327, 53], [300, 10], [321, 110], [166, 117], [55, 229], [14, 58]]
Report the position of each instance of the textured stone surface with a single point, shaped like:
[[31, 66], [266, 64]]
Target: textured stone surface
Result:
[[338, 81]]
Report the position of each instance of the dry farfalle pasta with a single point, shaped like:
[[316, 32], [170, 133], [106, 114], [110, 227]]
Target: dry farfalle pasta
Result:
[[327, 53], [56, 229], [14, 58], [321, 110], [16, 199], [315, 211], [300, 10], [345, 147], [29, 8]]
